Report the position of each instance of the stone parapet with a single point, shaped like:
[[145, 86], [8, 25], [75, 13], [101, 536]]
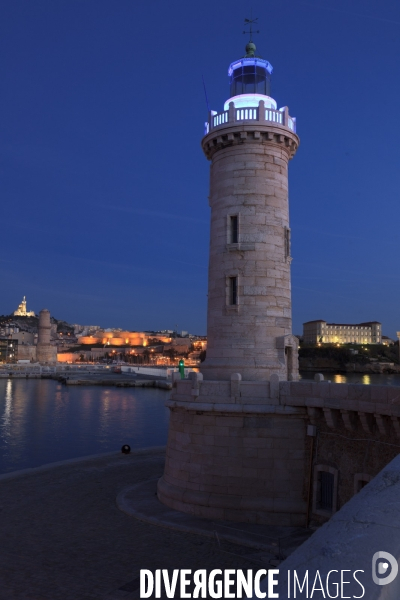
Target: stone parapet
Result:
[[261, 113], [374, 407], [339, 403]]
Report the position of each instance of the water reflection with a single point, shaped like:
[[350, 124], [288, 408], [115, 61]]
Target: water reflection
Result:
[[361, 378], [6, 419], [341, 378], [42, 421]]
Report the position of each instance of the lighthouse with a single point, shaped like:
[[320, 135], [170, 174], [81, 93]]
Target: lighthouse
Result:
[[234, 451], [249, 144]]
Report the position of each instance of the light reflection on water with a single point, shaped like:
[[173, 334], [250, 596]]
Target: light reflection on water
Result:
[[364, 378], [42, 421], [343, 378], [6, 419]]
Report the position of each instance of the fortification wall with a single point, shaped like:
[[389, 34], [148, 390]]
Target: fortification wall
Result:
[[255, 451], [26, 352]]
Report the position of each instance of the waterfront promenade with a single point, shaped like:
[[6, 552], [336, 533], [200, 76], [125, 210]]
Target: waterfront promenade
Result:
[[63, 537]]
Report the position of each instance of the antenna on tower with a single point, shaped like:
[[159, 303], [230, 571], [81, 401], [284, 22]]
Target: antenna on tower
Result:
[[205, 92], [249, 23]]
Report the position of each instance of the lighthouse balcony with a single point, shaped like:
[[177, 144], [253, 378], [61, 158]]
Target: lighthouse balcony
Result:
[[244, 114]]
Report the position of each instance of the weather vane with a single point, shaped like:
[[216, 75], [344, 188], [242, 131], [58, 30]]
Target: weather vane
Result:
[[249, 23]]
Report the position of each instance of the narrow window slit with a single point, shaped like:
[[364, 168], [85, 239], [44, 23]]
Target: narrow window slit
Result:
[[233, 291]]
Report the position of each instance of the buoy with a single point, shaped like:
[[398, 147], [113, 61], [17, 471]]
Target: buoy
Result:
[[125, 449]]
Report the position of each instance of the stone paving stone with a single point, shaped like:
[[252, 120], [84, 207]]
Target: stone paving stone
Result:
[[63, 537]]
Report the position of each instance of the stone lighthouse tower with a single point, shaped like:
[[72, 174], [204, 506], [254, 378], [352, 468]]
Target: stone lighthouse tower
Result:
[[250, 144], [233, 451]]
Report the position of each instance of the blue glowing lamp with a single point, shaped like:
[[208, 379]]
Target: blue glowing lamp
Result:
[[250, 80]]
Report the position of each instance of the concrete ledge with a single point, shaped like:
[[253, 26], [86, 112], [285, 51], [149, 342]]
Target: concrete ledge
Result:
[[368, 523], [140, 501]]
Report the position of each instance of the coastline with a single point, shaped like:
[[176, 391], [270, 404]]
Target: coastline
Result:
[[332, 366]]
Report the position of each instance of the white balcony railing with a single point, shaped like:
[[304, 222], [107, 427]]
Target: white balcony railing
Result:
[[220, 118], [250, 113]]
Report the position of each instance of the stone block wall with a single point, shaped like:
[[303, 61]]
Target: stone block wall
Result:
[[236, 467], [234, 453], [357, 433], [254, 450], [26, 352], [45, 353], [249, 181]]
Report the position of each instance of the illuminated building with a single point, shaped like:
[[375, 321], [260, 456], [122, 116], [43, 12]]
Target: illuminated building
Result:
[[321, 332], [8, 350], [118, 337], [21, 310]]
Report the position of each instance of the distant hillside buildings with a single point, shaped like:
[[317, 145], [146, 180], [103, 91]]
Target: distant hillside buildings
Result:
[[153, 347], [47, 340], [321, 332]]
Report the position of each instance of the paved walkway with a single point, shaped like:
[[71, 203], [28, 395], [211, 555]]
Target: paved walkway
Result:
[[276, 542], [62, 536]]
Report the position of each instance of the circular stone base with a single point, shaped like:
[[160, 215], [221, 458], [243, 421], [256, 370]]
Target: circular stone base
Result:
[[233, 508], [237, 466]]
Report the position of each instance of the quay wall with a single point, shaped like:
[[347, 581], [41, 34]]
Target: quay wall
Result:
[[260, 451]]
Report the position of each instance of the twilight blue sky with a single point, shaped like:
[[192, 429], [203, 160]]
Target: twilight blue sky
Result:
[[103, 185]]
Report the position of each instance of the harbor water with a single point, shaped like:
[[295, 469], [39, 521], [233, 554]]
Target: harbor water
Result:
[[43, 421]]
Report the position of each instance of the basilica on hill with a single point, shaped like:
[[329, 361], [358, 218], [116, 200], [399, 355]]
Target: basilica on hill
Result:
[[21, 310]]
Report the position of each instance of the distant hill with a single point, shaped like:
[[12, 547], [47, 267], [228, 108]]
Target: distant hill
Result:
[[33, 322]]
